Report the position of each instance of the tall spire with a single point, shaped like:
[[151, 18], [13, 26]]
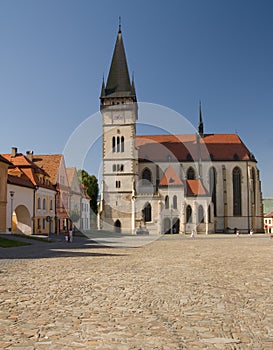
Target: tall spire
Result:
[[102, 94], [200, 125], [118, 82]]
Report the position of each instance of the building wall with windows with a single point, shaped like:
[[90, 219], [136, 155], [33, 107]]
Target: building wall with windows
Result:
[[44, 211], [171, 183]]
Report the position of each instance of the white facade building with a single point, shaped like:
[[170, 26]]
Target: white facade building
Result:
[[171, 183]]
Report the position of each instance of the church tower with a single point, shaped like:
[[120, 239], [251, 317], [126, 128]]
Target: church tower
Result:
[[118, 106]]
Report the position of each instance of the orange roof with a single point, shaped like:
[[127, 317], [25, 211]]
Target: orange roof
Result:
[[4, 160], [23, 167], [188, 147], [20, 181], [170, 178], [50, 163], [196, 188]]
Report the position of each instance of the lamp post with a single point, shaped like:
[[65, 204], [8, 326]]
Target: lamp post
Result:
[[11, 208]]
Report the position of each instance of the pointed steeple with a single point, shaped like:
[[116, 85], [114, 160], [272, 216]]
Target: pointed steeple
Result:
[[200, 124], [102, 94], [133, 85], [118, 82]]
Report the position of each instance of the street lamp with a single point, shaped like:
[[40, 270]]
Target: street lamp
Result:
[[11, 208]]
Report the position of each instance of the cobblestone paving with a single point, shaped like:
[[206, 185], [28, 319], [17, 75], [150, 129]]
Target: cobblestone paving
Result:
[[208, 293]]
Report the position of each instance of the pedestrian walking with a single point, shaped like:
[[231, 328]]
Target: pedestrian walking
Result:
[[66, 235], [192, 233], [237, 233], [251, 231], [70, 235]]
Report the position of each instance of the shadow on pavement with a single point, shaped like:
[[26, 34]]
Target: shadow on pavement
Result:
[[55, 248]]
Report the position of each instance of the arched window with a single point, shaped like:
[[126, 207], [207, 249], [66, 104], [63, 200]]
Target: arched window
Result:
[[212, 187], [167, 202], [147, 212], [237, 192], [147, 175], [200, 214], [118, 144], [190, 174], [51, 204], [122, 144], [209, 214], [39, 203], [44, 203], [189, 214], [175, 202], [113, 144]]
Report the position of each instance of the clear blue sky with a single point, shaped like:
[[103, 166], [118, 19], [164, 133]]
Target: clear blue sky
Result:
[[53, 54]]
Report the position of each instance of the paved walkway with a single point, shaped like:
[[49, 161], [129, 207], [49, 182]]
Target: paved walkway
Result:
[[204, 293]]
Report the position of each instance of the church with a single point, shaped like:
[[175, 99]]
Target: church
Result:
[[182, 183]]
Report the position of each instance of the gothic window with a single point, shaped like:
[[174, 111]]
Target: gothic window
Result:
[[237, 192], [118, 144], [118, 184], [147, 175], [188, 214], [191, 174], [114, 167], [147, 212], [122, 144], [51, 204], [209, 214], [39, 203], [212, 187], [167, 202], [200, 214], [44, 203], [113, 144], [175, 202]]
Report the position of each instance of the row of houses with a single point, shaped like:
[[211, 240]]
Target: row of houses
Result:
[[39, 194]]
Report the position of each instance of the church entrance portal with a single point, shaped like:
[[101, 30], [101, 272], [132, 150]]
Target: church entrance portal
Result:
[[171, 228], [118, 226]]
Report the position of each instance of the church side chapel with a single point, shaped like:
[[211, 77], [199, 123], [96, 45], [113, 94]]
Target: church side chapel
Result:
[[159, 184]]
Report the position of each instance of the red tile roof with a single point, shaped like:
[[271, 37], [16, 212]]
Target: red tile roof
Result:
[[170, 178], [23, 167], [195, 188], [20, 181], [188, 147], [50, 163]]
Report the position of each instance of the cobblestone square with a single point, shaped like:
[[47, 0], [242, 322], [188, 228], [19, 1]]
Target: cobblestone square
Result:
[[210, 292]]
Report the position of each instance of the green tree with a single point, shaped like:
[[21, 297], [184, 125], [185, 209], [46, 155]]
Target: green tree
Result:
[[91, 184]]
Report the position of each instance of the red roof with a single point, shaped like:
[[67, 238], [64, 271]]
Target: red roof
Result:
[[24, 168], [196, 188], [187, 147], [50, 163], [170, 178]]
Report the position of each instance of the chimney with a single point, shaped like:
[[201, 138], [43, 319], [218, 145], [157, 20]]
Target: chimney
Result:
[[29, 155], [13, 151]]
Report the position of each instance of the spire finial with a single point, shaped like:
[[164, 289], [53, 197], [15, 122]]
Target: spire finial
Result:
[[200, 125], [119, 24]]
